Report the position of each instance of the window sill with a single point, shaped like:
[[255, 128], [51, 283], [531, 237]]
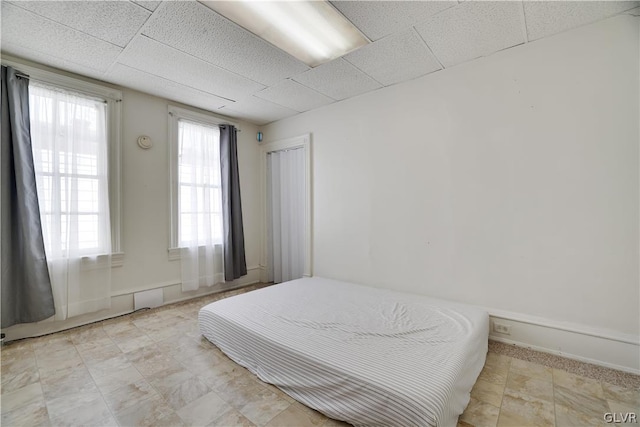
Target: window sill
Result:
[[99, 261], [175, 253]]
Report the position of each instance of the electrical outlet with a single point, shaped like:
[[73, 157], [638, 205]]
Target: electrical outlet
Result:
[[501, 328]]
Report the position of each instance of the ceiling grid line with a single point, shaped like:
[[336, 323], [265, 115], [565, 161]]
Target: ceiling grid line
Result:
[[204, 60], [426, 45], [16, 4], [364, 72], [525, 31], [138, 33], [183, 84]]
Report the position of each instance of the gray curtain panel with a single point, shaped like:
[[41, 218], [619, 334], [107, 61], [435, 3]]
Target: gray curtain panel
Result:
[[235, 264], [26, 287]]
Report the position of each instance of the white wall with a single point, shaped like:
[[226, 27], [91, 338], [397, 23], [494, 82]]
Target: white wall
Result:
[[509, 182], [145, 214]]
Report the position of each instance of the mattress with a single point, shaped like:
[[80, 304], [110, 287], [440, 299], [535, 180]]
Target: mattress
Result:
[[362, 355]]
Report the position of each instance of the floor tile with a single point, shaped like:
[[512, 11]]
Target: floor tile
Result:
[[480, 414], [535, 387], [232, 418], [239, 395], [494, 374], [33, 414], [108, 367], [132, 344], [87, 334], [488, 392], [51, 343], [94, 355], [293, 416], [498, 360], [186, 392], [531, 370], [567, 416], [11, 381], [16, 365], [156, 365], [150, 412], [114, 326], [59, 359], [580, 405], [520, 410], [119, 378], [261, 411], [621, 394], [80, 409], [571, 381], [129, 395], [67, 382], [24, 396], [164, 381], [204, 410]]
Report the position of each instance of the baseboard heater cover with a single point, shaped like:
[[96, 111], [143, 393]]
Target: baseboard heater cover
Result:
[[148, 299]]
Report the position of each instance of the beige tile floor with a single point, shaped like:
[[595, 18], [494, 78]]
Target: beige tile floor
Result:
[[153, 368]]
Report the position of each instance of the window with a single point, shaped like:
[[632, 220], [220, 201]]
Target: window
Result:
[[69, 140], [75, 131], [199, 200], [196, 197]]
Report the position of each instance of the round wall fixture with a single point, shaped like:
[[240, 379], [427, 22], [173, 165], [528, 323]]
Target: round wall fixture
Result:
[[144, 142]]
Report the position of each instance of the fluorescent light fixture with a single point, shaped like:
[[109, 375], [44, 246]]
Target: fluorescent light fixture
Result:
[[312, 31]]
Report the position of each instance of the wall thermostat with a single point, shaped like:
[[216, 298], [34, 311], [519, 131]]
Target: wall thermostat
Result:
[[144, 142]]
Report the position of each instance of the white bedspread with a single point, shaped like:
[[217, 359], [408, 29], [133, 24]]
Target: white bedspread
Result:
[[363, 355]]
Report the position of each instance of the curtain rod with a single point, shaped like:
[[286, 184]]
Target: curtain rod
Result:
[[21, 75], [220, 124]]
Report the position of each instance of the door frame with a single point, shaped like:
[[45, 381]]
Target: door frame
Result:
[[302, 141]]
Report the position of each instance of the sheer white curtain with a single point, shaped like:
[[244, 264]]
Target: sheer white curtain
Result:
[[69, 138], [286, 205], [200, 201]]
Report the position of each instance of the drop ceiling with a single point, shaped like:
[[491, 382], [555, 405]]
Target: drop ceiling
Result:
[[184, 51]]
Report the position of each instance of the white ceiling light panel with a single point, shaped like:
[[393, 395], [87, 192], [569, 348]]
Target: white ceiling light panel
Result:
[[312, 31]]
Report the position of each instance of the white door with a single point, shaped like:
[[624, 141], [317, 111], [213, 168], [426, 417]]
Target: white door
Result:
[[286, 201]]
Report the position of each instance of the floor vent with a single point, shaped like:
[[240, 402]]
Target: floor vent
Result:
[[147, 299]]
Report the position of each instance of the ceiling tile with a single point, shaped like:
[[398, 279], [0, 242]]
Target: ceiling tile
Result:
[[399, 57], [37, 35], [148, 4], [112, 21], [9, 49], [155, 58], [196, 29], [257, 111], [145, 82], [337, 79], [473, 29], [546, 18], [634, 12], [294, 95], [377, 19]]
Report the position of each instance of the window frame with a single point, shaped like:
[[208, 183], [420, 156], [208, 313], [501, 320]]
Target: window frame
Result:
[[175, 114], [113, 99]]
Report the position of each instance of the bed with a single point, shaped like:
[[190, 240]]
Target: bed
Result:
[[362, 355]]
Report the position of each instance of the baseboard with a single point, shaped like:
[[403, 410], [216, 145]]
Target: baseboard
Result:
[[122, 303], [599, 347]]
